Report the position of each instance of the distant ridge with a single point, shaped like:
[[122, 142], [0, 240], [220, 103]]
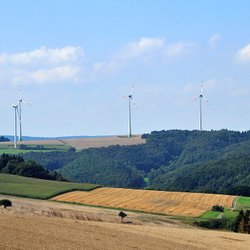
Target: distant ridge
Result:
[[37, 138]]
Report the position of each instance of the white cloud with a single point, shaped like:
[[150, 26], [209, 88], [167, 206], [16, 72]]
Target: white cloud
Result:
[[44, 54], [146, 49], [143, 46], [179, 49], [43, 65], [243, 54], [214, 40], [48, 65]]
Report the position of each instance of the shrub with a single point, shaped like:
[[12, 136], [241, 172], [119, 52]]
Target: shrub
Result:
[[218, 208], [122, 215], [5, 203]]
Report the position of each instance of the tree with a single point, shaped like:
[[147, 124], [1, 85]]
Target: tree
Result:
[[122, 215], [5, 203]]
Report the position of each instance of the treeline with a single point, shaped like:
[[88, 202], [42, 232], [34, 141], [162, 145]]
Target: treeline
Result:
[[207, 161], [2, 139], [16, 165]]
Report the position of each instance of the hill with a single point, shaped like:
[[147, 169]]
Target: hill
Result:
[[180, 160], [37, 188]]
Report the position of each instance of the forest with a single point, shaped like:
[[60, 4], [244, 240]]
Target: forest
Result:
[[181, 160]]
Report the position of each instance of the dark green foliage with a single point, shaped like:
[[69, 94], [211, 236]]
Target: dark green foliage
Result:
[[242, 222], [37, 147], [122, 215], [218, 208], [215, 224], [2, 138], [5, 203], [242, 190], [51, 160], [207, 161], [104, 171], [13, 164]]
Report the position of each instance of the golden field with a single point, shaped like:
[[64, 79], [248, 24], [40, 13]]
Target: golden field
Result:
[[158, 202], [38, 224]]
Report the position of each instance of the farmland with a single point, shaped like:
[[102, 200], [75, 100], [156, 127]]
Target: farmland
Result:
[[64, 144], [84, 143], [39, 224], [37, 188], [159, 202]]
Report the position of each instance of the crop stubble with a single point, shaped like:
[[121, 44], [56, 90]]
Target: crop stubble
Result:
[[159, 202]]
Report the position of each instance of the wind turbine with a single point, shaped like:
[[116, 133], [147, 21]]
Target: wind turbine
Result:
[[130, 99], [15, 107], [20, 113], [201, 98]]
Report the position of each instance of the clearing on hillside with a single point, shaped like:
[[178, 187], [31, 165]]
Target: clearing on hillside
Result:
[[83, 143], [159, 202]]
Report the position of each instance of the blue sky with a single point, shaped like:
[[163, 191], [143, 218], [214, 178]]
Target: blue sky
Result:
[[75, 60]]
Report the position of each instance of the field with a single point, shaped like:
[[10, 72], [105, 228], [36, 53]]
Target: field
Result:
[[38, 224], [37, 188], [62, 145], [84, 143], [7, 148], [159, 202]]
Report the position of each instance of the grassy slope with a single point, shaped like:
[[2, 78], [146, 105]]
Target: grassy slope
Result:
[[229, 214], [37, 188]]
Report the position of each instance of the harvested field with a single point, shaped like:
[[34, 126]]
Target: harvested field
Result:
[[160, 202], [84, 143], [25, 231]]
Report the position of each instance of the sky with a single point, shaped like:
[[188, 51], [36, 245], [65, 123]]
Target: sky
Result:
[[75, 61]]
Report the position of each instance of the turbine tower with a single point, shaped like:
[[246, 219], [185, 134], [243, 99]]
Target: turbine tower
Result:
[[15, 107], [200, 115], [20, 113], [201, 99], [130, 101]]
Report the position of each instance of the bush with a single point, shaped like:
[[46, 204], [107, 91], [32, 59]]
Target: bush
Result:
[[122, 215], [218, 208], [5, 203]]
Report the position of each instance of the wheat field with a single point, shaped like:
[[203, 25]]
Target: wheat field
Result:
[[159, 202]]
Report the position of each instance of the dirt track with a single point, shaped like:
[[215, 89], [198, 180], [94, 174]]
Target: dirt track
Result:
[[27, 225]]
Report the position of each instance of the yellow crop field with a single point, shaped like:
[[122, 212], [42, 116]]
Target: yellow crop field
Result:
[[160, 202]]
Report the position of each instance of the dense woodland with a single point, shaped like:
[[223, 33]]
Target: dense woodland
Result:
[[207, 161], [16, 165]]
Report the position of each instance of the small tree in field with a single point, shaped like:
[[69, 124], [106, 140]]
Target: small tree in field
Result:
[[5, 203], [122, 215]]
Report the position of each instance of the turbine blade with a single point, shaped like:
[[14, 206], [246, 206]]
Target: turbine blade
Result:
[[27, 103]]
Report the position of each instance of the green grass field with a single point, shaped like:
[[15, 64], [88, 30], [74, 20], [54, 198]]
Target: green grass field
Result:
[[37, 188], [227, 217], [8, 149], [243, 203]]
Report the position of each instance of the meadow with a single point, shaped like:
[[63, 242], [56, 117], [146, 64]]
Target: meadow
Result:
[[38, 188], [8, 148]]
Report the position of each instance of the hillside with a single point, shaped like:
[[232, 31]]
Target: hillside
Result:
[[169, 160], [38, 224], [37, 188]]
